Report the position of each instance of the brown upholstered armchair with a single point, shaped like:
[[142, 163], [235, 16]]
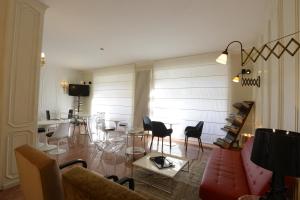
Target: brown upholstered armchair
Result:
[[41, 179]]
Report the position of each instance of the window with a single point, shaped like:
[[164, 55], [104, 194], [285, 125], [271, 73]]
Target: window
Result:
[[187, 94], [113, 94]]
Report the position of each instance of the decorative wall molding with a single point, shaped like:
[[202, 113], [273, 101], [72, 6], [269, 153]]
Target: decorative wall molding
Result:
[[22, 83], [15, 139], [20, 75]]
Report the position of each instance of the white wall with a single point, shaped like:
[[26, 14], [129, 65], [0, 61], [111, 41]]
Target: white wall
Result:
[[239, 93], [278, 98], [51, 95]]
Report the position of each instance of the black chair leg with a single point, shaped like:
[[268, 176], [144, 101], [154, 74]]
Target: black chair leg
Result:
[[200, 144], [74, 129], [170, 143], [151, 143], [162, 145], [187, 141], [124, 180]]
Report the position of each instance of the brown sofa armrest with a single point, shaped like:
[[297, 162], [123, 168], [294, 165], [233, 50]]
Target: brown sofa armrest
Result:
[[81, 184]]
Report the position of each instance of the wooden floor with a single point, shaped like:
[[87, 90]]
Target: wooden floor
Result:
[[80, 146]]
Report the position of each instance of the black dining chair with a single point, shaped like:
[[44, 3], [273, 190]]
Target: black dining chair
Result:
[[195, 132], [147, 124], [159, 130], [70, 114], [48, 115]]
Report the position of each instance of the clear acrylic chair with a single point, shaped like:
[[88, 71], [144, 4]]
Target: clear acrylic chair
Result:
[[60, 133], [107, 143]]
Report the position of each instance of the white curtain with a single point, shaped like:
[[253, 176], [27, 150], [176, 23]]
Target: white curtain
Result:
[[113, 91], [186, 93], [141, 97]]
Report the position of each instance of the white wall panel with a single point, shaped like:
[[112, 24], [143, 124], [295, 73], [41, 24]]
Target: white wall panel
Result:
[[283, 77], [289, 77], [19, 74]]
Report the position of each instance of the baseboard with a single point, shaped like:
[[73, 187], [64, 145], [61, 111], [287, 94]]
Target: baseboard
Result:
[[10, 184]]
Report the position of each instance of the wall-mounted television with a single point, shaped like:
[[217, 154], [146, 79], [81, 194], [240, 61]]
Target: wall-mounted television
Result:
[[79, 90]]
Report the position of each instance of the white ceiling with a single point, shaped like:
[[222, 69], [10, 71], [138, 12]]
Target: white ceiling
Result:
[[133, 31]]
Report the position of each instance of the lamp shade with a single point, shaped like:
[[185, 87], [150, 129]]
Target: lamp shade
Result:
[[222, 59], [236, 79], [277, 151]]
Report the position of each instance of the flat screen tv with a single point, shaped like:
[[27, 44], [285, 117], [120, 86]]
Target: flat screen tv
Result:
[[79, 90]]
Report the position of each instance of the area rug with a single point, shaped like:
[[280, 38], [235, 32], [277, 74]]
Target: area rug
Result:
[[185, 185]]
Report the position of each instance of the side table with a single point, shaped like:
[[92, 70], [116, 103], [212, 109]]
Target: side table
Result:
[[133, 150]]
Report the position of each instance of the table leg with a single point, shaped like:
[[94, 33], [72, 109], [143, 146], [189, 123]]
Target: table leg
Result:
[[144, 137], [133, 148]]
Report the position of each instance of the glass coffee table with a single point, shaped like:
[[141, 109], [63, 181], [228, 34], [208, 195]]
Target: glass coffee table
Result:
[[166, 174]]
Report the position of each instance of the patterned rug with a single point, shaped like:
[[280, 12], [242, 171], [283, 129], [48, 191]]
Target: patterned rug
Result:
[[185, 185]]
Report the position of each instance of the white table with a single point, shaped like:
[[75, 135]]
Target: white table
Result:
[[47, 123], [145, 163], [172, 123], [116, 121]]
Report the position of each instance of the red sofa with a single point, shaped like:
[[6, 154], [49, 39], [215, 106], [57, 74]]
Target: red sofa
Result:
[[231, 174]]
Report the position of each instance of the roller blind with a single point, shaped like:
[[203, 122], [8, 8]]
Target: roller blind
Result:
[[186, 94], [113, 94]]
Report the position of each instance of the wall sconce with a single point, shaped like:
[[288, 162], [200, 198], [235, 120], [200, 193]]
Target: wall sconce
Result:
[[291, 47], [43, 59], [236, 79], [222, 59], [246, 81], [65, 85]]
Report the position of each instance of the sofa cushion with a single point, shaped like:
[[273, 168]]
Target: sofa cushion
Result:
[[224, 176], [82, 184], [258, 178]]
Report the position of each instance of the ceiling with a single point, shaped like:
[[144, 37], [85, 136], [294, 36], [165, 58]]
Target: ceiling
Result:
[[134, 31]]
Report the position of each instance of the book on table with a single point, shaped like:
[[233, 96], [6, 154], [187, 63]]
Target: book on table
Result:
[[161, 162]]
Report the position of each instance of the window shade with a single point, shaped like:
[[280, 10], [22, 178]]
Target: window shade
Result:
[[186, 94], [113, 94]]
